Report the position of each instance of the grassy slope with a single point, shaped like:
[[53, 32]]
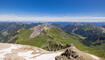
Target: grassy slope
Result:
[[98, 50], [56, 35]]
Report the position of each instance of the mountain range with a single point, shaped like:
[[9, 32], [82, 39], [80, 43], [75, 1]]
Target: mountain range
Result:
[[88, 38]]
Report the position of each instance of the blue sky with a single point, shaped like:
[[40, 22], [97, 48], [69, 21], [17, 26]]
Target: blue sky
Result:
[[53, 9]]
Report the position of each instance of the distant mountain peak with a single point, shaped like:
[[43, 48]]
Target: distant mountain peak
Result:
[[77, 24], [38, 29]]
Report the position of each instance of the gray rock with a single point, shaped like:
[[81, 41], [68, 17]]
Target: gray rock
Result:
[[69, 54]]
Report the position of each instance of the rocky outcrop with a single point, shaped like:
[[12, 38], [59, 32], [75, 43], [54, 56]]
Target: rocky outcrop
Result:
[[37, 30], [56, 46], [70, 54]]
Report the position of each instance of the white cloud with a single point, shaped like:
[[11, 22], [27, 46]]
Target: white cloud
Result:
[[47, 19]]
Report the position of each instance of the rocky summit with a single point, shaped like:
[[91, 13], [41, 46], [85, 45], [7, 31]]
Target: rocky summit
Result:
[[69, 54], [72, 53], [26, 52]]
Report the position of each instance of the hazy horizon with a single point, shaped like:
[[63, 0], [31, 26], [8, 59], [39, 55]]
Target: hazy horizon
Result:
[[52, 10]]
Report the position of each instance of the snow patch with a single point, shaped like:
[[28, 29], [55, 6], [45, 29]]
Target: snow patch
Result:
[[3, 52], [50, 56], [28, 55]]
